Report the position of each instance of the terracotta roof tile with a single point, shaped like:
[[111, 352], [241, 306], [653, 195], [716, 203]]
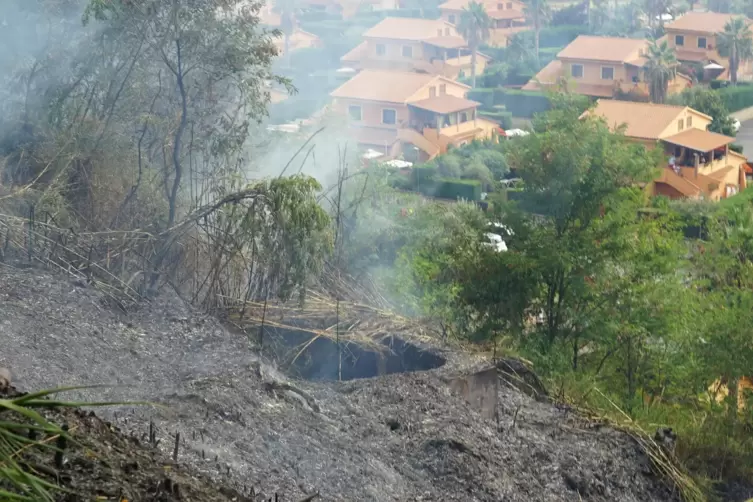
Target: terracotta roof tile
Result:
[[382, 85], [701, 22], [445, 104], [685, 55], [547, 75], [612, 49], [643, 120], [447, 42], [700, 140], [356, 53], [403, 28]]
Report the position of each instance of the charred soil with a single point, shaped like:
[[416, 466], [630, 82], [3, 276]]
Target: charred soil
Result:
[[244, 424]]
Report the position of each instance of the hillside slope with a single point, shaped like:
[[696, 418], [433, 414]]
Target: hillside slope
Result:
[[402, 437]]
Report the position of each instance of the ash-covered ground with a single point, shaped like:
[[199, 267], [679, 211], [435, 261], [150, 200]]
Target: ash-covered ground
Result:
[[401, 437]]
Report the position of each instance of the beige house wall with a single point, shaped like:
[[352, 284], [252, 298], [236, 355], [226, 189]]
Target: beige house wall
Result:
[[371, 112], [687, 119]]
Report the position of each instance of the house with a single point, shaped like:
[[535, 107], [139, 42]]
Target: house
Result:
[[508, 17], [700, 164], [693, 37], [602, 67], [421, 45], [413, 113]]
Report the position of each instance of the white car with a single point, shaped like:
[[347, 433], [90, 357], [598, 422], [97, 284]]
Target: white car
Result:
[[736, 124]]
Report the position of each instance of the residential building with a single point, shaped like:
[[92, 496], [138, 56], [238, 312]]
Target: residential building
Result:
[[602, 67], [421, 45], [508, 17], [699, 163], [393, 112], [694, 38]]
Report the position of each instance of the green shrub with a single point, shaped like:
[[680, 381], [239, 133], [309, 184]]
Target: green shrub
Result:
[[452, 188], [424, 173], [485, 96], [736, 147], [525, 103], [503, 117], [499, 97], [737, 98]]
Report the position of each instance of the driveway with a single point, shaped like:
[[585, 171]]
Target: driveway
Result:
[[745, 137]]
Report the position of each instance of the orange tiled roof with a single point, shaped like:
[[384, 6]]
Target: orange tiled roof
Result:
[[356, 53], [612, 49], [686, 55], [403, 28], [700, 140], [643, 120], [701, 22], [388, 86], [445, 104]]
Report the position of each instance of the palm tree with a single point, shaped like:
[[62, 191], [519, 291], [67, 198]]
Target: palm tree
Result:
[[537, 12], [288, 10], [660, 68], [474, 26], [735, 43]]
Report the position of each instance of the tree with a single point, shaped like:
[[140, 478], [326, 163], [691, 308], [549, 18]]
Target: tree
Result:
[[288, 10], [580, 177], [735, 43], [537, 12], [709, 102], [474, 26], [660, 69]]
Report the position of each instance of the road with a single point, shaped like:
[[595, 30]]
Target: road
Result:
[[745, 137]]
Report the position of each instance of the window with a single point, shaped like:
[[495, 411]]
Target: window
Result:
[[407, 51], [509, 5], [447, 32], [680, 124], [442, 89], [432, 92], [381, 50], [355, 112], [388, 116], [576, 70], [689, 122], [439, 32], [607, 73], [500, 6], [451, 18], [701, 42], [679, 39]]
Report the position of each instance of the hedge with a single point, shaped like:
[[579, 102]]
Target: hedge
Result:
[[452, 188], [483, 95], [525, 103], [737, 98], [504, 118], [422, 174]]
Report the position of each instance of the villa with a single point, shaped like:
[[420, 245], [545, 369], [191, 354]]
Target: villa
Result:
[[508, 17], [700, 163], [430, 46], [603, 67], [416, 114]]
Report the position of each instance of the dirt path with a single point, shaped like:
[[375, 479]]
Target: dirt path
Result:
[[404, 437]]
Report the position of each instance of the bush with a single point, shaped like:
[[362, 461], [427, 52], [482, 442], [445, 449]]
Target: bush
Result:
[[574, 15], [422, 174], [504, 118], [526, 103], [499, 97], [451, 188], [485, 96], [736, 147], [737, 98]]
